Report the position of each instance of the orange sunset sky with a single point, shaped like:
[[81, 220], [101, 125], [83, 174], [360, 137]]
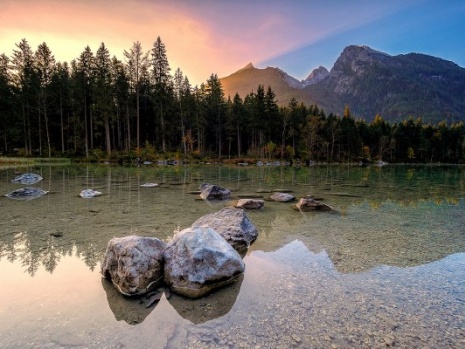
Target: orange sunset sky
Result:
[[215, 36]]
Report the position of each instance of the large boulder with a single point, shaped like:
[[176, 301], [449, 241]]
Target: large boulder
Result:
[[134, 264], [198, 260], [214, 192], [232, 224]]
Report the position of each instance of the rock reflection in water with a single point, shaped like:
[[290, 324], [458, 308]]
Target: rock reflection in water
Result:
[[130, 309], [134, 310], [212, 306]]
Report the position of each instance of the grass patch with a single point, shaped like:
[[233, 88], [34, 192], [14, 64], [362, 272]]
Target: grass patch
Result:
[[33, 161]]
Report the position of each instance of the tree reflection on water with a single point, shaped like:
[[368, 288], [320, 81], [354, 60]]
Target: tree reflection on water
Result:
[[33, 253]]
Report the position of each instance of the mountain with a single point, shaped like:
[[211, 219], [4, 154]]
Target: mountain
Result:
[[247, 79], [316, 76], [370, 82]]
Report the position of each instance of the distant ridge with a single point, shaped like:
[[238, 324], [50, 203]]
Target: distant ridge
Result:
[[370, 82]]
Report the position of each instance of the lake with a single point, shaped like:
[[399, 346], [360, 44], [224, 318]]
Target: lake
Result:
[[385, 268]]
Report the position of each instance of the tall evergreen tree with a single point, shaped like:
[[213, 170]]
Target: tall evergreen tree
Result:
[[6, 101], [103, 93], [84, 79], [45, 66], [60, 89], [136, 62], [239, 118], [215, 104], [121, 83], [162, 84], [23, 79]]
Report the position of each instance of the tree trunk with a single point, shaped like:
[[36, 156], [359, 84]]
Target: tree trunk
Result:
[[107, 136], [183, 133], [25, 130], [86, 139], [162, 124], [128, 126], [238, 142], [138, 114], [40, 132], [91, 129], [47, 133], [62, 126]]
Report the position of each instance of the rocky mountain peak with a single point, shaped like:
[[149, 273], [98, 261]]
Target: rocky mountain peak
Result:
[[248, 66], [316, 76], [356, 59]]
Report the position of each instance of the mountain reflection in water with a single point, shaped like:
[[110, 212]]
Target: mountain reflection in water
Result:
[[386, 269]]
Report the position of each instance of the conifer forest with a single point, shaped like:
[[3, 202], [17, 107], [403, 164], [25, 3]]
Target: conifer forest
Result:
[[100, 107]]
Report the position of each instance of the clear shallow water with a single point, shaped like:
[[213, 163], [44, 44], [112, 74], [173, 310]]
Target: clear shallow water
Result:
[[387, 267]]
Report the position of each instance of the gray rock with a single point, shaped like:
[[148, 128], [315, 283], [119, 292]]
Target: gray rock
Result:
[[89, 193], [282, 197], [134, 264], [199, 260], [232, 224], [249, 204], [310, 204], [26, 194], [27, 178], [214, 192]]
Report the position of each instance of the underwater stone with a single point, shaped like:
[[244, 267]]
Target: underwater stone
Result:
[[27, 178], [282, 197], [212, 192], [89, 193], [26, 194], [250, 204]]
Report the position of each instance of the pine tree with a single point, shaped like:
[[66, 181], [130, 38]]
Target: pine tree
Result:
[[136, 62], [6, 101], [45, 66], [162, 84], [84, 78], [23, 79], [102, 92], [121, 83], [215, 105]]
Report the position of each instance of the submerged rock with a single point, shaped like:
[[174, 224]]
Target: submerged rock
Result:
[[380, 163], [310, 204], [89, 193], [250, 204], [212, 192], [149, 185], [134, 264], [26, 194], [27, 178], [232, 224], [199, 260], [282, 197]]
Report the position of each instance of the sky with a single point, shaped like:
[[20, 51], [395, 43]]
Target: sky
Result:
[[204, 37]]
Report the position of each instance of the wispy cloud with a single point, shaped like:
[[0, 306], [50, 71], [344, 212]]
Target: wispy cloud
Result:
[[201, 36]]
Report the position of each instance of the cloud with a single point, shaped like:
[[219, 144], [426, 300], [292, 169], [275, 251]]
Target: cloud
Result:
[[201, 37]]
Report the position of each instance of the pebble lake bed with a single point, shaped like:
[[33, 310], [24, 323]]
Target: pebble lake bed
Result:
[[384, 268]]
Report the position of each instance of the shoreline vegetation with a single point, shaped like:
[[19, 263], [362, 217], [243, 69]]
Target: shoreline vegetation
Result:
[[174, 161]]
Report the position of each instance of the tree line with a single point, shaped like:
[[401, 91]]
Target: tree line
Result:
[[98, 105]]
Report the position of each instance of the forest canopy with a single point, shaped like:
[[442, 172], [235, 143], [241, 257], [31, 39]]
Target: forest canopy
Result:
[[100, 106]]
